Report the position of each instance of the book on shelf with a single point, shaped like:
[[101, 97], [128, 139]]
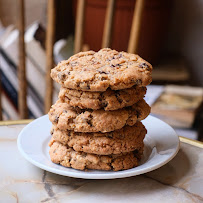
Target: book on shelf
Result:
[[10, 86], [178, 105], [9, 110], [34, 77], [34, 42], [5, 32], [35, 66]]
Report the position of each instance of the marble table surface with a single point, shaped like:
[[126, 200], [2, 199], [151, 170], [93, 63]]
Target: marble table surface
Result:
[[181, 180]]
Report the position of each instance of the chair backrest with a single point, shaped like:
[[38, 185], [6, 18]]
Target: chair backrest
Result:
[[50, 35], [78, 46], [22, 90]]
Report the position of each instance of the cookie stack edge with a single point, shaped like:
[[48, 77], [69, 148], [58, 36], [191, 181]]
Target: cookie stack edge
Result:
[[96, 121]]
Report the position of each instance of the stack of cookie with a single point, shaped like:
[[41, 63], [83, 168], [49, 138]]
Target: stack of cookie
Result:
[[96, 121]]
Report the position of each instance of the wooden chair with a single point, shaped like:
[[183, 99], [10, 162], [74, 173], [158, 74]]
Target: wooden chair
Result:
[[78, 46], [22, 91], [106, 41]]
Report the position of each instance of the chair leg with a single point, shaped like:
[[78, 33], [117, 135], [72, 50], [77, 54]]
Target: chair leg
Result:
[[79, 27], [135, 29], [50, 36], [22, 90], [106, 41]]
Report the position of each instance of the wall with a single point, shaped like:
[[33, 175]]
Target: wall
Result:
[[9, 11], [186, 35]]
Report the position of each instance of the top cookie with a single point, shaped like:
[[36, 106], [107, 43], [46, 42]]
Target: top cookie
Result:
[[97, 71]]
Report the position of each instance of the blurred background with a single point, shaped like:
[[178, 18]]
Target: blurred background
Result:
[[169, 34]]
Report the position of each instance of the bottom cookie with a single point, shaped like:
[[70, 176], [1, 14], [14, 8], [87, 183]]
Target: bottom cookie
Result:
[[66, 156]]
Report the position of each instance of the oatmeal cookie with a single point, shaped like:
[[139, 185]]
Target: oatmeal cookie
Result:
[[109, 100], [126, 139], [65, 117], [97, 71], [66, 156]]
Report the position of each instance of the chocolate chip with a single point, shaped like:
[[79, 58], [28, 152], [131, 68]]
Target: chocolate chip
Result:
[[61, 76], [118, 98], [74, 63], [103, 78], [78, 110], [90, 116], [96, 62], [89, 122], [138, 82], [52, 131], [110, 135], [56, 119], [144, 65], [112, 168], [144, 89], [117, 65], [88, 86], [100, 97], [104, 104], [135, 152], [78, 84], [120, 55], [65, 111], [102, 72], [84, 85], [70, 120]]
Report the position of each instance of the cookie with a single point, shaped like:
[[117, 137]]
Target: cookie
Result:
[[66, 156], [126, 139], [109, 100], [65, 117], [97, 71]]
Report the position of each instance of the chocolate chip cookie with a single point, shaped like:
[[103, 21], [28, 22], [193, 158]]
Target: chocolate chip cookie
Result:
[[126, 139], [65, 117], [109, 100], [66, 156], [97, 71]]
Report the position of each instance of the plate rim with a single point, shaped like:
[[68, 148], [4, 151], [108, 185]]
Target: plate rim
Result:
[[86, 175]]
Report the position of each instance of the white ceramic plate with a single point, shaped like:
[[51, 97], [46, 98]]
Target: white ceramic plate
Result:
[[161, 145]]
